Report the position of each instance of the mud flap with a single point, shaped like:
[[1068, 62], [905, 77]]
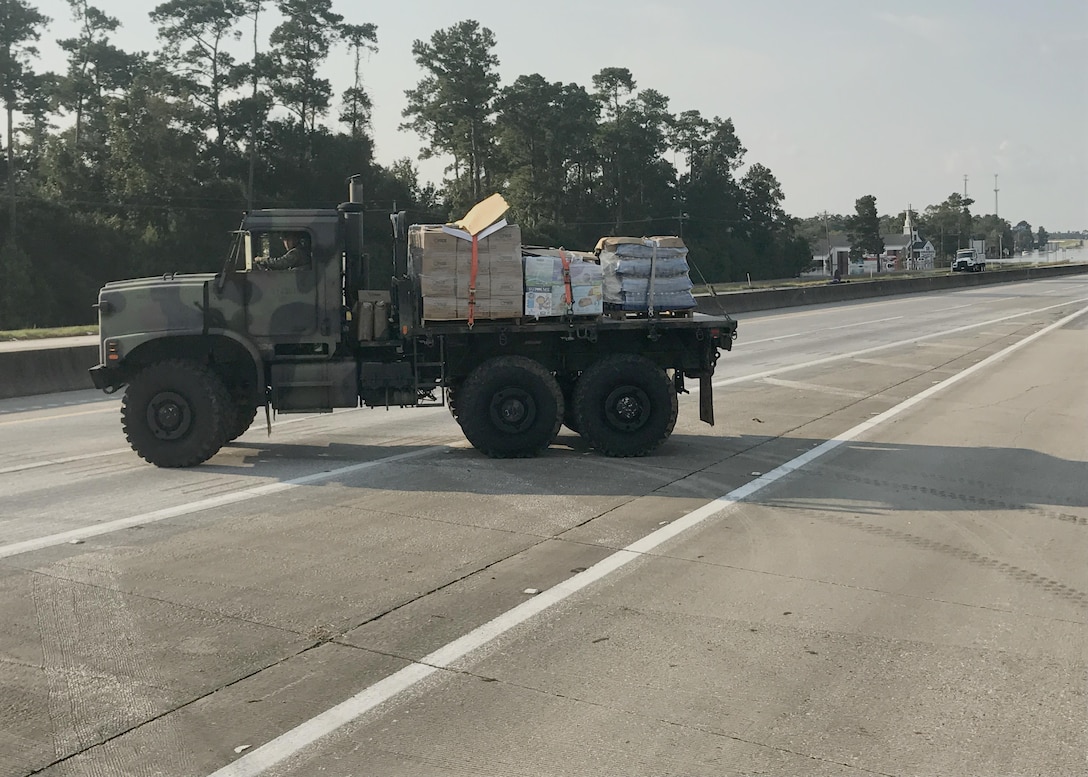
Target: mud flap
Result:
[[706, 399]]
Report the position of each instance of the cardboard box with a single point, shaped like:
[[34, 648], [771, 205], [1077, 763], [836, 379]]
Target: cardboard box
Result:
[[506, 285], [585, 273], [430, 237], [538, 302], [444, 309], [501, 306], [588, 300], [442, 256], [440, 284], [543, 271]]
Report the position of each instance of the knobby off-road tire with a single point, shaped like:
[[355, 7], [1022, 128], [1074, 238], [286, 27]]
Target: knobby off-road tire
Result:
[[567, 384], [176, 412], [625, 405], [510, 407], [243, 417], [452, 397]]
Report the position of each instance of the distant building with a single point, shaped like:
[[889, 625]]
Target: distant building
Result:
[[906, 251], [831, 257]]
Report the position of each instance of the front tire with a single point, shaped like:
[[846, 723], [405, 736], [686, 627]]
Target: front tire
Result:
[[175, 412], [510, 407], [625, 405], [243, 418]]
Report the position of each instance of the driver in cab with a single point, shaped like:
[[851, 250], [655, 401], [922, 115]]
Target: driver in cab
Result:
[[295, 255]]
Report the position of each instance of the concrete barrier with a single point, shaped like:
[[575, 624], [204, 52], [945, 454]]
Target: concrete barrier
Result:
[[46, 370], [815, 294]]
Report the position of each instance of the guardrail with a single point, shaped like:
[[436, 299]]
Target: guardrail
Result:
[[64, 368]]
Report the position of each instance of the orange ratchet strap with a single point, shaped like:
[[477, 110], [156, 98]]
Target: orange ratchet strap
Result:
[[472, 280]]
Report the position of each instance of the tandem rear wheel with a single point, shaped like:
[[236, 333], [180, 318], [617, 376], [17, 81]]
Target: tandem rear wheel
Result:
[[625, 405], [510, 407]]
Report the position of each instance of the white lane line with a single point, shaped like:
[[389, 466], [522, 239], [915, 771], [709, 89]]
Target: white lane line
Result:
[[775, 339], [876, 348], [860, 323], [810, 332], [817, 387], [26, 546], [55, 417], [291, 742], [66, 460]]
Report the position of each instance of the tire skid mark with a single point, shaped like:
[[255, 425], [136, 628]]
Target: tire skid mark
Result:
[[100, 673], [967, 498], [1045, 584]]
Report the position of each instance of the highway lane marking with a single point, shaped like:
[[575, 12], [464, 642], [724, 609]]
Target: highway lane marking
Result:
[[817, 387], [275, 751], [55, 417], [257, 425], [775, 339], [86, 532], [859, 323], [66, 460], [825, 329], [876, 348]]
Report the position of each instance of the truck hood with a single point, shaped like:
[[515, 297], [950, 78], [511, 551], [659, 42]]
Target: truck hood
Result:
[[162, 304]]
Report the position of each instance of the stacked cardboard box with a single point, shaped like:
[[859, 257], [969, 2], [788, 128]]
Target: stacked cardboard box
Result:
[[442, 260], [546, 286]]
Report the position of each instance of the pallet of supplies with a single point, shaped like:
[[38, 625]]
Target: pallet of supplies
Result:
[[645, 274], [470, 269], [562, 283]]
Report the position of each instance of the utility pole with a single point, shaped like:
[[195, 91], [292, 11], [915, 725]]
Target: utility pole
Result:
[[1000, 226], [827, 234], [965, 187]]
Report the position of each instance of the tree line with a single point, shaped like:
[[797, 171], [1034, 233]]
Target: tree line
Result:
[[133, 164], [140, 163]]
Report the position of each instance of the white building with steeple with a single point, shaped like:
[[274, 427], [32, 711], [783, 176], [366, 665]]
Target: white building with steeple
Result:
[[907, 251]]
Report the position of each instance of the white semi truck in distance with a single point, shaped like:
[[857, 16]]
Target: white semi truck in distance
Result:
[[971, 259]]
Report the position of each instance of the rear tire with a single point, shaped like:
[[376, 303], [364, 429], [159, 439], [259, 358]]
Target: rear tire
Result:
[[510, 407], [625, 405], [175, 412], [567, 384]]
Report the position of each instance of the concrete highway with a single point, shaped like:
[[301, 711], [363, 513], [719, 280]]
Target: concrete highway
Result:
[[875, 564]]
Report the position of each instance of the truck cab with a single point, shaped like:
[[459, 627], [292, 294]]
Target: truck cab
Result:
[[968, 260]]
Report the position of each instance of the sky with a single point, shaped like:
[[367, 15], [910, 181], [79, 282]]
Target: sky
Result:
[[839, 98]]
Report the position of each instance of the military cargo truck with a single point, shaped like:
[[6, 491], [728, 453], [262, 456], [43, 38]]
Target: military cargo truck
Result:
[[199, 355]]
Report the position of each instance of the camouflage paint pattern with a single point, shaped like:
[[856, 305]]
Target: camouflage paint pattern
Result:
[[260, 308]]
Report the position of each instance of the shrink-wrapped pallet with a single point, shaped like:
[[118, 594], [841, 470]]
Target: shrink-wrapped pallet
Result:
[[644, 274]]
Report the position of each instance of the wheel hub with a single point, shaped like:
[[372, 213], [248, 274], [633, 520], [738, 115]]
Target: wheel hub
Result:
[[627, 408], [169, 415], [512, 410]]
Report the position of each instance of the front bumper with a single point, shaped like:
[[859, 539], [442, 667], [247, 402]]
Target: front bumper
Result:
[[106, 378]]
